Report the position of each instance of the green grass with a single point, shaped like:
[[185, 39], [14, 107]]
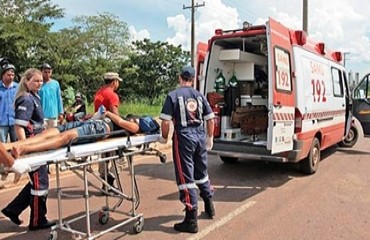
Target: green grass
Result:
[[134, 108]]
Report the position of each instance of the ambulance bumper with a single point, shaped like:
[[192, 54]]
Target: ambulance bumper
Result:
[[244, 151]]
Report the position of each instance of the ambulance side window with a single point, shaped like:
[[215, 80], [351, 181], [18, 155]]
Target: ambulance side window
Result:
[[337, 82], [361, 92]]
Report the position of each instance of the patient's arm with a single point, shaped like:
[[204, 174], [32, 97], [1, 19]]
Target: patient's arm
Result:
[[130, 126]]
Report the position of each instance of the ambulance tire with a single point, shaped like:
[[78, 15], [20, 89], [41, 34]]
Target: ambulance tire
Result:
[[229, 160], [351, 138], [310, 164]]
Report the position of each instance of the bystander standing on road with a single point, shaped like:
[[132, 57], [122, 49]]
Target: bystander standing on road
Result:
[[106, 96], [188, 109], [8, 89], [51, 98]]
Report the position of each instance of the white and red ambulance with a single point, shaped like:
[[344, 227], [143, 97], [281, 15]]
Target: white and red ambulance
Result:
[[291, 100]]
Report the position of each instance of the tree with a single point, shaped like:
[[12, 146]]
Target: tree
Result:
[[24, 29], [93, 46], [152, 69], [106, 37]]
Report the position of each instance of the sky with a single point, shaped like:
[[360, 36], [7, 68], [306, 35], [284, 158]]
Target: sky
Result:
[[343, 25]]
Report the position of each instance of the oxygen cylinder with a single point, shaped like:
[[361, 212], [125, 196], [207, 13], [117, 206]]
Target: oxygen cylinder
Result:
[[217, 121], [220, 83], [233, 82]]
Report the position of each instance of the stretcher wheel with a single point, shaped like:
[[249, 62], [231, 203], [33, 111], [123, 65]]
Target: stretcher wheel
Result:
[[139, 225], [53, 235], [103, 217]]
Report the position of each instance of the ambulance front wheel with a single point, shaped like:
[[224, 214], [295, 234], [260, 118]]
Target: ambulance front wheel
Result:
[[310, 164], [351, 138]]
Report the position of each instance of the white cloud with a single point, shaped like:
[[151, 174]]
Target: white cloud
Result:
[[135, 35], [214, 15], [343, 25]]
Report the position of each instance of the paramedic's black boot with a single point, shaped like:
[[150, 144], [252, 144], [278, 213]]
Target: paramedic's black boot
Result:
[[13, 217], [38, 218], [18, 205], [190, 223], [208, 207], [45, 225]]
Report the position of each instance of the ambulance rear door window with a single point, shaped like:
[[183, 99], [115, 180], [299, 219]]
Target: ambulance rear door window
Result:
[[282, 70]]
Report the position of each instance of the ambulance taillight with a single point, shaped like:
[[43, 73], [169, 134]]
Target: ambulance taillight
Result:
[[298, 121]]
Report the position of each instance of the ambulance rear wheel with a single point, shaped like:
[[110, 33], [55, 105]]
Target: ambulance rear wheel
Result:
[[229, 159], [310, 164], [350, 139]]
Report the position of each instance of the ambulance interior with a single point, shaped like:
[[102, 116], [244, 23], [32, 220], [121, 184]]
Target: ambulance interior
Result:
[[236, 85]]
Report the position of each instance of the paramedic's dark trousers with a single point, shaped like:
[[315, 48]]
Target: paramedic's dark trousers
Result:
[[34, 194], [190, 161]]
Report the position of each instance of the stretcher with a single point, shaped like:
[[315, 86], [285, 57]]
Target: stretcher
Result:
[[79, 159]]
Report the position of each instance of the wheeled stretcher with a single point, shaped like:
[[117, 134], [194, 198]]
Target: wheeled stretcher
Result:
[[78, 159]]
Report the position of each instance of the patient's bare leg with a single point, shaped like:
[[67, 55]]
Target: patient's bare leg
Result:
[[43, 136], [55, 142]]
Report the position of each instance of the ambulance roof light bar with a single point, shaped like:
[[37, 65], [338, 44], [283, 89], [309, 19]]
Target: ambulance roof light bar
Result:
[[218, 32], [301, 37], [321, 48], [246, 25], [338, 56]]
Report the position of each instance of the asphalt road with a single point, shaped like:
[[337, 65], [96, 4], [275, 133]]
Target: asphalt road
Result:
[[253, 200]]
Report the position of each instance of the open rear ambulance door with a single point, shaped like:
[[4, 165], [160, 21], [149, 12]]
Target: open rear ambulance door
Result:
[[281, 89], [361, 104]]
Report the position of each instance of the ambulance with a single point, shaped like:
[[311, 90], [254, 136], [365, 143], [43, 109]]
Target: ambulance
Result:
[[277, 95]]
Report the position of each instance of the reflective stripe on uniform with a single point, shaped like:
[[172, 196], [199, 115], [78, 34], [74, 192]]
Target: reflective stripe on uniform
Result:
[[187, 186], [184, 122], [39, 192], [200, 109], [204, 180]]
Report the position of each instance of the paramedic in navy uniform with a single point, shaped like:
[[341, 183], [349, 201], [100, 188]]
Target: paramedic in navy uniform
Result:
[[188, 109], [29, 120]]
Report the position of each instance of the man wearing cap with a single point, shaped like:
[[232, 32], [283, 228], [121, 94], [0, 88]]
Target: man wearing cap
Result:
[[78, 109], [188, 109], [107, 97], [51, 98], [8, 90]]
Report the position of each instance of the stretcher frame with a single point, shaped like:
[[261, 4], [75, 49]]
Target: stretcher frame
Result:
[[74, 159]]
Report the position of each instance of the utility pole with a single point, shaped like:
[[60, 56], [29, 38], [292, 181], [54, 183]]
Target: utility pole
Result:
[[193, 27], [305, 16], [345, 58]]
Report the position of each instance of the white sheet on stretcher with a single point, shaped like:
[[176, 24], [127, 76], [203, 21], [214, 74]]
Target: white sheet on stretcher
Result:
[[88, 149]]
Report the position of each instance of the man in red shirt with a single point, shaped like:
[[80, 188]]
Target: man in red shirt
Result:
[[107, 97]]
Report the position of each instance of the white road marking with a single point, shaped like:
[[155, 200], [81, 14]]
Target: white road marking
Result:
[[234, 187], [222, 221]]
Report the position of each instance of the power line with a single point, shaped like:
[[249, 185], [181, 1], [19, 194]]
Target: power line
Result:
[[193, 7]]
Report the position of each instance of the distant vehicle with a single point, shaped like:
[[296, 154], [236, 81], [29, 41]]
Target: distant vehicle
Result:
[[278, 95]]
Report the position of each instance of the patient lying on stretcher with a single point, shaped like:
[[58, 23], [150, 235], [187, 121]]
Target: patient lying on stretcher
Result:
[[62, 135]]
